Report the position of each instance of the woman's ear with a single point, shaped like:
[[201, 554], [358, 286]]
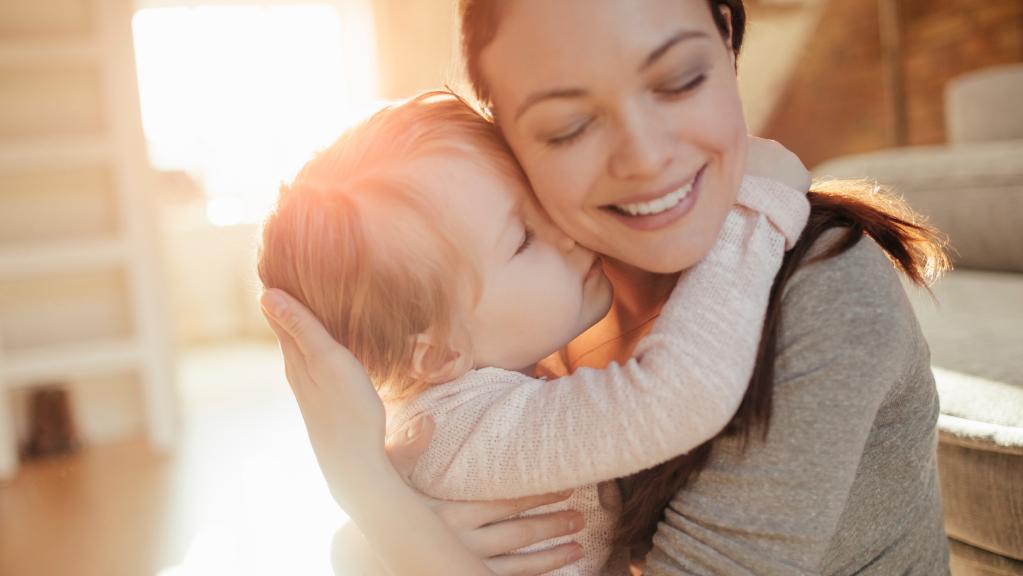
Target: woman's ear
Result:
[[437, 362], [726, 13]]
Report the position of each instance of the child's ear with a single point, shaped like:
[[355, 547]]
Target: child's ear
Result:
[[437, 362]]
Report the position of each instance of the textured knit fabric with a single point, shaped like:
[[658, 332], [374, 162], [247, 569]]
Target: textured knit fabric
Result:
[[846, 482], [502, 434]]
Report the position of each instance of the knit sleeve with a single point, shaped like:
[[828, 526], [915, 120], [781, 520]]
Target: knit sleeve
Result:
[[505, 435]]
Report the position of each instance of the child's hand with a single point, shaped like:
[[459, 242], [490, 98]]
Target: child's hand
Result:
[[769, 159], [343, 414]]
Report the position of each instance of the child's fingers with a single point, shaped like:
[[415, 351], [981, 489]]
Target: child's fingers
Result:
[[535, 563]]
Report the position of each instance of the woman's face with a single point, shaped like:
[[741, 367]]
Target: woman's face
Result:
[[626, 117]]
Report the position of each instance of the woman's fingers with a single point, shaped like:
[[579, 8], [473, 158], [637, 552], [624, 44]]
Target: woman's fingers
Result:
[[293, 357], [308, 333], [500, 509], [311, 353], [294, 362], [535, 563], [462, 516], [509, 535]]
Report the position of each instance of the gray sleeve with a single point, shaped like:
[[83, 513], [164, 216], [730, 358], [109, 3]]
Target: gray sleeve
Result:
[[848, 339]]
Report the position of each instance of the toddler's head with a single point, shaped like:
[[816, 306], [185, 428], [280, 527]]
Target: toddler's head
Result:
[[415, 240]]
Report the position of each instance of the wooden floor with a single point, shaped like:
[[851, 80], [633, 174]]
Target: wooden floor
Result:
[[240, 495]]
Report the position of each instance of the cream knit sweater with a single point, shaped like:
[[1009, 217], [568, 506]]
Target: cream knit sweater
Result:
[[502, 434]]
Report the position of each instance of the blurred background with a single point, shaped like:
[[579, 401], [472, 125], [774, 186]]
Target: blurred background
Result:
[[145, 424]]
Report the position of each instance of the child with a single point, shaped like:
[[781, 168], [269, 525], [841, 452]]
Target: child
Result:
[[415, 240]]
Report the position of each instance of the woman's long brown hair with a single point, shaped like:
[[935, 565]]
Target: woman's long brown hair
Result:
[[858, 208]]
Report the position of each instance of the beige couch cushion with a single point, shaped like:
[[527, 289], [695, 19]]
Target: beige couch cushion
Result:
[[973, 193], [975, 332], [974, 326]]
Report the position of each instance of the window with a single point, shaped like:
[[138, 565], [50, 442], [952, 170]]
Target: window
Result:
[[239, 96]]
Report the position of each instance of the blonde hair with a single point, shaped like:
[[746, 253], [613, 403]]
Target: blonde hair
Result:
[[357, 239]]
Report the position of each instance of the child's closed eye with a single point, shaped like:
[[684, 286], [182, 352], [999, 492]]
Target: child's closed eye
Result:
[[527, 239]]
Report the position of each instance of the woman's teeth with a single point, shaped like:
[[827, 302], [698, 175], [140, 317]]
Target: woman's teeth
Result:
[[657, 206]]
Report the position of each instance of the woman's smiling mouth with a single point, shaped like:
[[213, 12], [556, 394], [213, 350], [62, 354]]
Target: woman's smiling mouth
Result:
[[661, 211], [658, 205]]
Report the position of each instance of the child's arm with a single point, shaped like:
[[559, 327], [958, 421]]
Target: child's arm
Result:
[[503, 435]]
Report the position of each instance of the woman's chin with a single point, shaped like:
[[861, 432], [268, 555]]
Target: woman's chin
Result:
[[675, 248], [664, 261]]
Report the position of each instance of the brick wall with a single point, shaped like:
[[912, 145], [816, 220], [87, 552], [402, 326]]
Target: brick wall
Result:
[[836, 101]]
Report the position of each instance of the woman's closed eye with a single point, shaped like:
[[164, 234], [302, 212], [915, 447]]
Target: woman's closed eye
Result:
[[682, 87], [527, 240], [570, 135], [672, 90]]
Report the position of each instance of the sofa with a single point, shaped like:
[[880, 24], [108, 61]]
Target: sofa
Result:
[[972, 189]]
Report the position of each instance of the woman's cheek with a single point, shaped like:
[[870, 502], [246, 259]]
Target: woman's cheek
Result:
[[565, 189], [552, 187]]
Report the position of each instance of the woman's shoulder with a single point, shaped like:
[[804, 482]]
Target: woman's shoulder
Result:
[[851, 309], [861, 279], [864, 260]]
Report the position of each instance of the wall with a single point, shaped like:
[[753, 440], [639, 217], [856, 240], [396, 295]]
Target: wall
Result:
[[211, 272], [838, 86], [417, 45], [775, 39]]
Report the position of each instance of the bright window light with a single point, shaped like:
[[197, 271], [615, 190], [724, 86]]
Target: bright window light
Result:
[[240, 96]]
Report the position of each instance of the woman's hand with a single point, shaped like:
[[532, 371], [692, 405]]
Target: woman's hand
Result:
[[479, 527], [769, 159], [343, 414], [344, 418]]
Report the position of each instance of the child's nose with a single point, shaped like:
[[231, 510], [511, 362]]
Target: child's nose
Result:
[[550, 232], [564, 242]]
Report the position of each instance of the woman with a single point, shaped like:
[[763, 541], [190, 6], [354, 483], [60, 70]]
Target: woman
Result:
[[829, 466]]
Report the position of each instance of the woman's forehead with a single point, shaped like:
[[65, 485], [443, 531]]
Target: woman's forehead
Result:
[[542, 44]]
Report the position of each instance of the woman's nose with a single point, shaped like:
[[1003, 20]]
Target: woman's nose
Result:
[[644, 147]]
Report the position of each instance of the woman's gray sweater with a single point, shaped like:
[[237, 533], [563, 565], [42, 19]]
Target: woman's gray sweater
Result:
[[846, 482]]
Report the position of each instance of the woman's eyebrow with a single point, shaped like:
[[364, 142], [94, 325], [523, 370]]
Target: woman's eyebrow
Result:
[[670, 43], [568, 93], [548, 95]]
